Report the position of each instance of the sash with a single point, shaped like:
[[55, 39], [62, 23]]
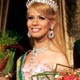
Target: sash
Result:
[[20, 69]]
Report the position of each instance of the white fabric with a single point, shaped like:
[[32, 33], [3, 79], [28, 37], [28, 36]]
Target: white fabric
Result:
[[34, 69]]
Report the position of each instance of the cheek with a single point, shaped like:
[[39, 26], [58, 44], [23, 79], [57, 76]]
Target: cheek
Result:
[[46, 25], [28, 24], [46, 28]]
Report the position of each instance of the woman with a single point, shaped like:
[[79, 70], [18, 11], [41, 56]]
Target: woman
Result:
[[46, 52]]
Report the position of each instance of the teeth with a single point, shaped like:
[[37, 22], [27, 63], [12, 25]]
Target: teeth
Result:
[[35, 29]]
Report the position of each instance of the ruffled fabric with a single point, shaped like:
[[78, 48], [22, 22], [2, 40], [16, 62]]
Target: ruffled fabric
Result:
[[34, 69]]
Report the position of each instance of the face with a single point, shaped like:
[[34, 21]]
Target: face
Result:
[[38, 25]]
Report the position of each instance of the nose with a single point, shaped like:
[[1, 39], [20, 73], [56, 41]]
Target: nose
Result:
[[35, 21]]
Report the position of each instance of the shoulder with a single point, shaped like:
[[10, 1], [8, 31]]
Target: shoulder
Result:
[[53, 55], [56, 54], [58, 57], [21, 58], [61, 56], [26, 53]]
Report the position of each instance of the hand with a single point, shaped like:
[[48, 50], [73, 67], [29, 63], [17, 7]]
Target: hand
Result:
[[4, 78], [7, 77]]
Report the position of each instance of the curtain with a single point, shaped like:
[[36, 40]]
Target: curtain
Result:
[[4, 4]]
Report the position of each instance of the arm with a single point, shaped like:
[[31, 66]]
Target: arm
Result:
[[62, 59]]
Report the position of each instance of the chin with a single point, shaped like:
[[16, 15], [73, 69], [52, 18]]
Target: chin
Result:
[[36, 37]]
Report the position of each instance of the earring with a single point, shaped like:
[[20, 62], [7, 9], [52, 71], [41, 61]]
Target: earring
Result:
[[28, 34], [51, 33]]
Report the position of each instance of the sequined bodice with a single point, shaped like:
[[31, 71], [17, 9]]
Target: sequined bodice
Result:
[[34, 69]]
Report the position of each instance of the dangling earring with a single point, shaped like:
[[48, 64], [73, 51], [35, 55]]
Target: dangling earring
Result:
[[28, 34], [51, 33]]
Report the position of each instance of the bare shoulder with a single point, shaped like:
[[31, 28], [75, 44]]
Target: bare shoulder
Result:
[[58, 57], [57, 54], [61, 58]]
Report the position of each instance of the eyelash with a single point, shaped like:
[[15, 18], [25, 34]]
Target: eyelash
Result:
[[40, 17], [30, 17]]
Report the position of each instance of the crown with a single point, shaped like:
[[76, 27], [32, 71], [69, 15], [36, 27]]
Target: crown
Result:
[[51, 3]]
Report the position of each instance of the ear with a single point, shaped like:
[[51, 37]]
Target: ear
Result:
[[53, 23]]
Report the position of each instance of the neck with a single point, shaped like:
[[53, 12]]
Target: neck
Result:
[[37, 51], [39, 48], [39, 44]]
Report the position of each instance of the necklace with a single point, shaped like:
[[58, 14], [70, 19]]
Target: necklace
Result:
[[35, 51]]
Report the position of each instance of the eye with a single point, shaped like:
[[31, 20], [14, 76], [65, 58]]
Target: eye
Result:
[[30, 17], [42, 17]]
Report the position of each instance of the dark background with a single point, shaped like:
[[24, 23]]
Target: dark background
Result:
[[16, 21]]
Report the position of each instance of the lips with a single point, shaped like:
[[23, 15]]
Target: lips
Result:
[[35, 29]]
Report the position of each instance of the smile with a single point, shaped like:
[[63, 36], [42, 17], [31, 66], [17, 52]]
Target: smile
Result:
[[35, 29]]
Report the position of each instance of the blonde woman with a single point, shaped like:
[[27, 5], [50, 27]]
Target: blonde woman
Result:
[[47, 45]]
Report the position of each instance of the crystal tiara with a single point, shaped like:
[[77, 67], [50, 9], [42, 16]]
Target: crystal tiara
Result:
[[51, 3]]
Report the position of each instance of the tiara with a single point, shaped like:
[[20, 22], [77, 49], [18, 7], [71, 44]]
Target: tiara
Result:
[[51, 3]]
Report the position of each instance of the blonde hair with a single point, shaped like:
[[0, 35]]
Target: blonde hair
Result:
[[43, 9], [48, 12]]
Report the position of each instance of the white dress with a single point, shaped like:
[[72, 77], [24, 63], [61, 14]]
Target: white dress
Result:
[[34, 69]]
